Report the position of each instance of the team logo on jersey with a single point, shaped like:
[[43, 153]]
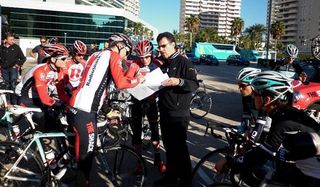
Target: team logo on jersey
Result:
[[42, 77]]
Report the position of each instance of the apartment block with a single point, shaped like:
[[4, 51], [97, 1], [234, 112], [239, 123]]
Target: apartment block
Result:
[[132, 6], [301, 19], [212, 13]]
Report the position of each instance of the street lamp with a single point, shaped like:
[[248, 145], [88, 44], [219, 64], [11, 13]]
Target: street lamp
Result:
[[65, 38]]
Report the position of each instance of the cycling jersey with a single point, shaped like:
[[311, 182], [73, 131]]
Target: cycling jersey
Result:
[[292, 70], [91, 91], [73, 73], [42, 82], [284, 119]]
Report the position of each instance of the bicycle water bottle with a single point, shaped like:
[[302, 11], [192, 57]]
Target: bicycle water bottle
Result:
[[260, 129], [50, 156], [16, 130]]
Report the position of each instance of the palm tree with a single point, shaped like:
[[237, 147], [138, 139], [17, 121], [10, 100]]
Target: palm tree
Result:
[[137, 28], [255, 33], [277, 31], [192, 22], [237, 26], [207, 35]]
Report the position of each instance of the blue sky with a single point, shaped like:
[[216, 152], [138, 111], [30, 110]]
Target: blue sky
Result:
[[164, 14]]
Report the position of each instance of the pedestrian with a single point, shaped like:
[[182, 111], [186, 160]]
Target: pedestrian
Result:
[[39, 50], [11, 59], [174, 107]]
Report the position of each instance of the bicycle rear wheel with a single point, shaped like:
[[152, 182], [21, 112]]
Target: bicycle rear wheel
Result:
[[204, 173], [200, 105], [27, 172], [123, 166]]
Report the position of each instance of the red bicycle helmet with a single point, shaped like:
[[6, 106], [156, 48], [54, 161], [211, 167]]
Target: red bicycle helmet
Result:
[[144, 48], [119, 37], [55, 50], [79, 47]]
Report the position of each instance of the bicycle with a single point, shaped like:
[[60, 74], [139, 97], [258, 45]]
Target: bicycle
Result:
[[27, 164], [204, 173], [201, 102]]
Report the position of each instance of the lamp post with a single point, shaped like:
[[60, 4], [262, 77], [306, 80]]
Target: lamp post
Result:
[[65, 38], [269, 27]]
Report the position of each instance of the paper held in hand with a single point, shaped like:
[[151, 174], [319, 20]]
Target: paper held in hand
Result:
[[150, 85]]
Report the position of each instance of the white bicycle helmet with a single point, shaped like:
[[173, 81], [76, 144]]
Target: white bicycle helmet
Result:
[[274, 83], [291, 51], [247, 74]]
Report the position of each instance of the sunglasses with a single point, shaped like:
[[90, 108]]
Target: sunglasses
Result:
[[63, 58], [43, 41], [163, 46], [127, 50], [243, 85], [144, 57]]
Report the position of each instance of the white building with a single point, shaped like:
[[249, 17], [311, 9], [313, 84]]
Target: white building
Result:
[[132, 6], [212, 13], [91, 21], [301, 19]]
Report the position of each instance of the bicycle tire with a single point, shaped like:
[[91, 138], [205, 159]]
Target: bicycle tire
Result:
[[30, 166], [123, 166], [200, 105], [204, 174]]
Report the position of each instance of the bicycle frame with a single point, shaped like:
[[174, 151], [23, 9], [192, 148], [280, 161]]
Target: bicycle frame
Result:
[[36, 138]]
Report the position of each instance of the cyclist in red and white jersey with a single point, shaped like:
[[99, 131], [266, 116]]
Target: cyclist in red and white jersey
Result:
[[148, 106], [75, 66], [102, 67], [41, 83]]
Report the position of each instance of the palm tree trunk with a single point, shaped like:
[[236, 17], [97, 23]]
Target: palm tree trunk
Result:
[[276, 50], [190, 40]]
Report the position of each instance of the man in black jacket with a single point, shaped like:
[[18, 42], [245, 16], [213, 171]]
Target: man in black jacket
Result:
[[174, 107], [11, 59]]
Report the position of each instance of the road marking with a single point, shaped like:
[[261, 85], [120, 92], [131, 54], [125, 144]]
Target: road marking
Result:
[[202, 174]]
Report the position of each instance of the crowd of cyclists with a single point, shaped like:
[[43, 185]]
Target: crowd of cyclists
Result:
[[269, 118], [64, 80]]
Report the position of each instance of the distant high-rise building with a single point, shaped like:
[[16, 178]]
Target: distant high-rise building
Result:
[[132, 6], [212, 13], [301, 19]]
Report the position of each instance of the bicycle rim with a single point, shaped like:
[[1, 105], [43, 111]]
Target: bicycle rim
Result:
[[201, 104], [124, 167], [204, 173], [28, 171]]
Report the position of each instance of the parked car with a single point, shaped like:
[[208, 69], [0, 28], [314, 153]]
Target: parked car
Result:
[[209, 60], [193, 58], [307, 95], [237, 60]]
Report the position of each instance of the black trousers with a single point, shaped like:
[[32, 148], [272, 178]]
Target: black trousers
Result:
[[174, 136]]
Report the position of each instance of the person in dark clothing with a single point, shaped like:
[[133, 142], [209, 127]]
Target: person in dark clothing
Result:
[[272, 92], [39, 50], [244, 78], [174, 107], [11, 59]]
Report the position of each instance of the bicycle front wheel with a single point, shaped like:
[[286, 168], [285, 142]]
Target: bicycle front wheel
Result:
[[200, 105], [205, 174], [123, 166], [26, 172]]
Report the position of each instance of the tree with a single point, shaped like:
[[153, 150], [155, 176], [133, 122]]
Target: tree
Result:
[[237, 26], [192, 23], [277, 31], [207, 35], [137, 28], [255, 33]]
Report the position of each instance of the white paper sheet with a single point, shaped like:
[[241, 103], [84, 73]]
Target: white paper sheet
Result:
[[150, 85]]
